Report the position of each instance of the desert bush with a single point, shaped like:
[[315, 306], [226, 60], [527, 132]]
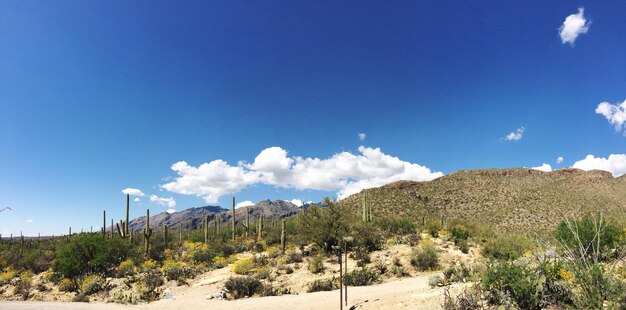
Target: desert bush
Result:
[[67, 285], [397, 225], [316, 264], [367, 237], [433, 227], [323, 285], [381, 266], [90, 253], [239, 287], [270, 290], [361, 256], [150, 281], [425, 257], [590, 237], [23, 285], [149, 264], [203, 256], [7, 275], [263, 272], [294, 257], [91, 284], [361, 277], [179, 271], [326, 226], [507, 246], [463, 246], [399, 271], [469, 299], [126, 268], [244, 266], [436, 280], [506, 282]]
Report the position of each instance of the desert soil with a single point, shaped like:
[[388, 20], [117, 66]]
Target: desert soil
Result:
[[406, 293]]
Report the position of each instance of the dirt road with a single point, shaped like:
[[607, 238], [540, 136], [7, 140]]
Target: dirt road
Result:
[[407, 293]]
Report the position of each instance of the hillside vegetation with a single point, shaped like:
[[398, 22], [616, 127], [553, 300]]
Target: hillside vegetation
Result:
[[510, 199]]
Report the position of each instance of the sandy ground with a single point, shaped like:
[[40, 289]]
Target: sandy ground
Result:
[[406, 293]]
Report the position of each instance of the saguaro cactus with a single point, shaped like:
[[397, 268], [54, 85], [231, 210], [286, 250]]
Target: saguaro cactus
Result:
[[232, 226], [260, 226], [247, 224], [205, 223], [282, 236], [364, 206], [147, 232]]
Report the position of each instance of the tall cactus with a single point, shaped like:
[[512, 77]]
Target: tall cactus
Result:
[[147, 233], [165, 235], [180, 232], [122, 227], [205, 223], [282, 236], [364, 206], [260, 226], [247, 224], [232, 226], [104, 223]]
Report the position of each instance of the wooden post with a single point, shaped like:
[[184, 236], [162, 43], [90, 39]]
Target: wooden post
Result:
[[340, 283]]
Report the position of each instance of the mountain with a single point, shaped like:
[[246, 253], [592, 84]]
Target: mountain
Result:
[[510, 199], [192, 218]]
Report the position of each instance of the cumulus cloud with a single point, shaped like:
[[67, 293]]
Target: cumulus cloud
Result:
[[362, 136], [573, 26], [136, 199], [345, 172], [210, 180], [133, 191], [615, 164], [614, 113], [244, 204], [559, 160], [544, 167], [297, 202], [515, 135], [163, 201], [29, 221], [170, 211]]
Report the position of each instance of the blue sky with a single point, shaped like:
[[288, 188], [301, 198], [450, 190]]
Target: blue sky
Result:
[[99, 96]]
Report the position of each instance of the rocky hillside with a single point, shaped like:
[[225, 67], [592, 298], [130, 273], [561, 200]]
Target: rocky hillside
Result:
[[192, 218], [511, 199]]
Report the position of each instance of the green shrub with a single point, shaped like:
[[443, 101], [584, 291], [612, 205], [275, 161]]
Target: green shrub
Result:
[[204, 257], [325, 226], [361, 277], [316, 264], [396, 225], [91, 284], [507, 247], [519, 283], [244, 266], [150, 282], [590, 237], [367, 237], [91, 253], [67, 285], [463, 246], [425, 257], [126, 268], [399, 271], [433, 227], [239, 287], [323, 285]]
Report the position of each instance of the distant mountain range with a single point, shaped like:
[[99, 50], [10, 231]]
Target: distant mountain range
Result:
[[192, 218]]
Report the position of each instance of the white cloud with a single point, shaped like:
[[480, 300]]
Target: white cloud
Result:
[[559, 160], [573, 26], [515, 135], [362, 136], [297, 202], [163, 201], [132, 191], [309, 202], [136, 199], [170, 211], [345, 172], [614, 113], [615, 164], [210, 180], [29, 221], [244, 204], [544, 167]]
